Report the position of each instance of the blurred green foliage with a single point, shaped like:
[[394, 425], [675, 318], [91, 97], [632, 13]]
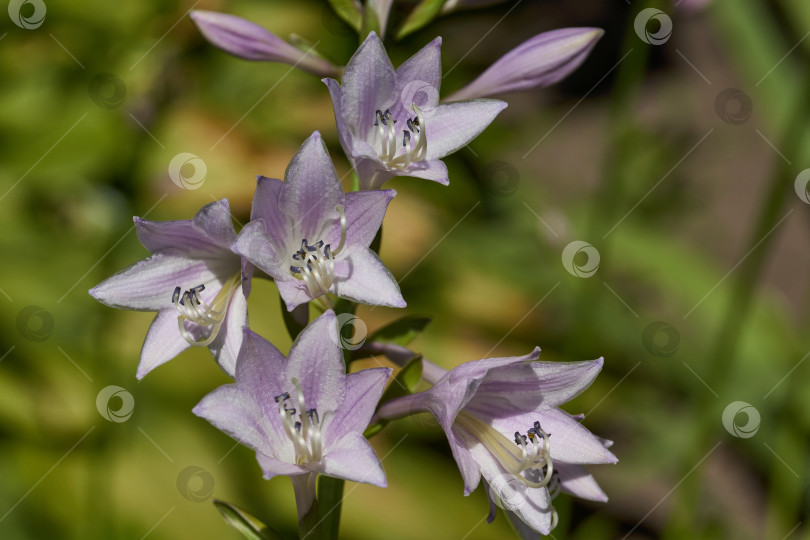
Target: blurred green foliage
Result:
[[96, 102]]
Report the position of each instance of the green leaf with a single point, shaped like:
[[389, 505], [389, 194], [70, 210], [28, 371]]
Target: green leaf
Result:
[[295, 320], [330, 498], [422, 14], [406, 382], [401, 331], [249, 526], [349, 11]]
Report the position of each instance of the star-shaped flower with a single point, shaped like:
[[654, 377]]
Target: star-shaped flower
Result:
[[390, 122], [502, 419], [313, 238], [302, 415], [193, 280]]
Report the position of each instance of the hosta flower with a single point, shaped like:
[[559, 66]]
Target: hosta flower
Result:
[[195, 283], [502, 420], [313, 238], [540, 61], [389, 121], [250, 41], [302, 415]]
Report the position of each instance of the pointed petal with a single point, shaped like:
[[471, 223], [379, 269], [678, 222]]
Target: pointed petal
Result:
[[344, 135], [451, 126], [433, 169], [363, 391], [265, 207], [293, 291], [271, 467], [419, 81], [232, 411], [368, 84], [540, 61], [311, 190], [215, 219], [228, 342], [148, 284], [354, 459], [250, 41], [577, 481], [360, 276], [467, 465], [365, 211], [261, 249], [316, 361], [530, 386], [163, 342]]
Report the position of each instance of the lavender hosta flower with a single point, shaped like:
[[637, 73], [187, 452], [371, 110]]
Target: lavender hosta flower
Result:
[[193, 280], [250, 41], [313, 238], [302, 415], [389, 121], [540, 61], [502, 419]]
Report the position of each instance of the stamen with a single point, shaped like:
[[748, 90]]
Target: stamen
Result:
[[316, 262], [303, 430], [198, 312], [414, 141]]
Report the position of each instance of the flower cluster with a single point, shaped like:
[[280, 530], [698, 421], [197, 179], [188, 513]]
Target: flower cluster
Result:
[[303, 414]]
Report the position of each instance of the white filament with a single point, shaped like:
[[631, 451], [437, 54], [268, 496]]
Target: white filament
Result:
[[192, 308], [302, 426], [315, 264], [414, 140]]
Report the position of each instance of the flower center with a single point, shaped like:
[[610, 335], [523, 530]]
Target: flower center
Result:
[[193, 308], [528, 458], [414, 139], [315, 263], [303, 427]]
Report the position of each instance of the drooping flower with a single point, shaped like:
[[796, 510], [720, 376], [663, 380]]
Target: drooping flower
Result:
[[313, 238], [540, 61], [390, 122], [502, 419], [250, 41], [193, 280], [302, 415]]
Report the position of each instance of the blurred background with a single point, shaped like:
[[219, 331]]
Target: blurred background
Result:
[[678, 162]]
